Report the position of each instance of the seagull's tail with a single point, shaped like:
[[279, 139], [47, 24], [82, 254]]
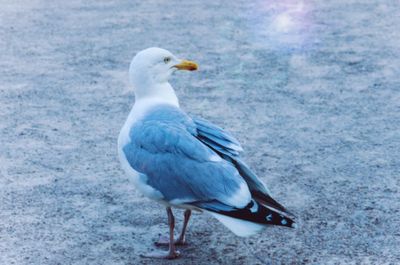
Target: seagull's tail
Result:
[[248, 220]]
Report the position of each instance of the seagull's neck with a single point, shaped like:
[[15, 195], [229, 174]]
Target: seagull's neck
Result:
[[161, 93], [145, 102]]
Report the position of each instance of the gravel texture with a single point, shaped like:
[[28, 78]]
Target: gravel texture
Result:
[[312, 90]]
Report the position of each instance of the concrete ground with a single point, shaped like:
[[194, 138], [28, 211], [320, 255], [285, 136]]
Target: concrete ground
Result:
[[311, 89]]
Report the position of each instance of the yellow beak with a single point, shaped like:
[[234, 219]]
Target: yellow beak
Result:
[[187, 65]]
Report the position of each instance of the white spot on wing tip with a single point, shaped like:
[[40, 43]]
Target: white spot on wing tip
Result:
[[254, 208], [268, 217]]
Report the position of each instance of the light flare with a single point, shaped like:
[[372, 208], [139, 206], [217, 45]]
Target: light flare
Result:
[[280, 24]]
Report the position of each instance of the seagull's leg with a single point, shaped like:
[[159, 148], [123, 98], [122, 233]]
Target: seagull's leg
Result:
[[164, 240], [181, 239], [172, 253]]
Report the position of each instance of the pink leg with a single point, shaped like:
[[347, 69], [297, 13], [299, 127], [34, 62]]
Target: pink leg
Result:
[[181, 240], [172, 253]]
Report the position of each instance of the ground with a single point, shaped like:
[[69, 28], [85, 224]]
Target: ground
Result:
[[311, 89]]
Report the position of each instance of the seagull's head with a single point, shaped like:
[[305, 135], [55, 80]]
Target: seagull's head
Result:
[[154, 66]]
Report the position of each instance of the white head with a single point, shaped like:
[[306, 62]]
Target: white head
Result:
[[151, 69]]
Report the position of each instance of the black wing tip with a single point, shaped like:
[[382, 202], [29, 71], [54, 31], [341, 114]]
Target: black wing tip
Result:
[[275, 218], [253, 212], [287, 222]]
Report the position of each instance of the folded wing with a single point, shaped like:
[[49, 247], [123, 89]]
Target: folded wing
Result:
[[164, 148], [229, 148]]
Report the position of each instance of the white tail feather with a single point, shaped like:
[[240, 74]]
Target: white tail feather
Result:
[[237, 226]]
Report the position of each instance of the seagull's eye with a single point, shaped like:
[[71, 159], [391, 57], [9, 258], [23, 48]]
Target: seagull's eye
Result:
[[167, 59]]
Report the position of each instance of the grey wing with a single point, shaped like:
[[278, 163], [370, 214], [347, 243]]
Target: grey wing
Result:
[[229, 149], [181, 168]]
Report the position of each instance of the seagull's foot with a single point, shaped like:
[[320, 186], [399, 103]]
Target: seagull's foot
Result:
[[164, 241], [162, 254]]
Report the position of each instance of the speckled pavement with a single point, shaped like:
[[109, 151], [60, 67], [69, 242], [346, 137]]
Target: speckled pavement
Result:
[[311, 89]]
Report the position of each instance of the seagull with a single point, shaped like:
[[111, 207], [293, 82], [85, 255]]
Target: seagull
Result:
[[187, 162]]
